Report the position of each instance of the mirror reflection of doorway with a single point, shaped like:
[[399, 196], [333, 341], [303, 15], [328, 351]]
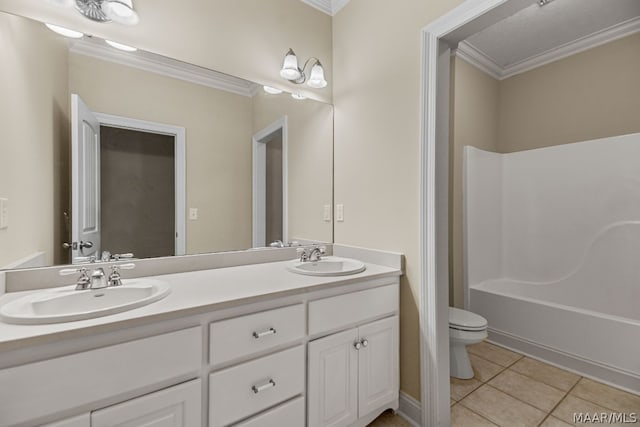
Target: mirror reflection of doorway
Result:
[[270, 184], [128, 186], [137, 187]]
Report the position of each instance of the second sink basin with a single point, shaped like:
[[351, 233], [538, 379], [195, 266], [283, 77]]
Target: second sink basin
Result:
[[327, 266], [66, 304]]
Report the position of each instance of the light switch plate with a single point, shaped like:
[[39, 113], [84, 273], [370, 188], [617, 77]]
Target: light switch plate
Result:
[[340, 213], [4, 213], [193, 214], [326, 216]]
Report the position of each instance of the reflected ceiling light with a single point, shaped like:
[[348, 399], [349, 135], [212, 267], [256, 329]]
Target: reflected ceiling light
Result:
[[121, 46], [544, 2], [120, 11], [65, 31], [298, 96], [291, 71], [272, 90]]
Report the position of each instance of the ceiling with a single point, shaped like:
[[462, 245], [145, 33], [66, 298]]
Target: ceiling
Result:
[[538, 35]]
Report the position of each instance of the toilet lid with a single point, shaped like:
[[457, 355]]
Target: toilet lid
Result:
[[462, 319]]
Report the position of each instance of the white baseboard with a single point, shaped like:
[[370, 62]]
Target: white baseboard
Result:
[[410, 409], [570, 362]]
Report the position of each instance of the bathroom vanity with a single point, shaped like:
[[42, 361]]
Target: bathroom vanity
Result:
[[253, 345]]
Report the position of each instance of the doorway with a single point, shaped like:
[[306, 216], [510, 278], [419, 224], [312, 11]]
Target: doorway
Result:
[[270, 184]]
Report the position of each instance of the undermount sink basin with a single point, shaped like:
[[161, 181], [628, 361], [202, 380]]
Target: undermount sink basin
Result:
[[66, 304], [327, 266]]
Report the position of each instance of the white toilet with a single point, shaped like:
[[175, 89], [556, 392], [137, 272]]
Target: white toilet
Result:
[[465, 328]]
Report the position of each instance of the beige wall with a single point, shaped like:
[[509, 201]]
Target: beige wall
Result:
[[245, 38], [34, 143], [377, 100], [218, 135], [310, 164], [474, 121], [593, 94]]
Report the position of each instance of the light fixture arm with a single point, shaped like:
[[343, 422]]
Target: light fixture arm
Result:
[[303, 70]]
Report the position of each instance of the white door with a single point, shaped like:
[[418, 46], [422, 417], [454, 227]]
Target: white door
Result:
[[333, 380], [378, 364], [178, 406], [85, 180], [83, 420]]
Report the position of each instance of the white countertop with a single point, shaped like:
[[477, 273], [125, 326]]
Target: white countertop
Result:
[[191, 293]]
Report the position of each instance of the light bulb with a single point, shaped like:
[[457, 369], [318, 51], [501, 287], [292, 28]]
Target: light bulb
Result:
[[121, 46], [272, 90], [316, 79], [290, 70], [63, 31], [120, 11]]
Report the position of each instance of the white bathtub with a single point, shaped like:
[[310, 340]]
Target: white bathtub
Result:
[[588, 321]]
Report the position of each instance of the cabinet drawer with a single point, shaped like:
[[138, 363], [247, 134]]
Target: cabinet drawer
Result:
[[343, 310], [38, 389], [238, 392], [287, 414], [177, 406], [246, 335]]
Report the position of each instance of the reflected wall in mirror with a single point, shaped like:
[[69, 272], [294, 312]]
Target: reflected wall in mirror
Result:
[[151, 101]]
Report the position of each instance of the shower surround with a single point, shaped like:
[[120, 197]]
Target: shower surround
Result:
[[552, 253]]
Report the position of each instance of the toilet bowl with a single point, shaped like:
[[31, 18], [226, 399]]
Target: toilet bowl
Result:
[[465, 328]]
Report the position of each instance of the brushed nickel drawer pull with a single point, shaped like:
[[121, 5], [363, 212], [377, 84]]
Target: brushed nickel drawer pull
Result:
[[259, 388], [270, 331]]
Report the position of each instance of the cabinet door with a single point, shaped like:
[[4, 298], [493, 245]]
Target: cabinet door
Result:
[[83, 420], [333, 380], [178, 406], [378, 364]]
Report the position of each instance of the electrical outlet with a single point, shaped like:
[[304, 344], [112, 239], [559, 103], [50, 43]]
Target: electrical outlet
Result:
[[326, 216], [340, 213], [193, 214], [4, 213]]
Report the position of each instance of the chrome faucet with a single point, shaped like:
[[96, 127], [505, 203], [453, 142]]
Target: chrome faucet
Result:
[[98, 280], [315, 254]]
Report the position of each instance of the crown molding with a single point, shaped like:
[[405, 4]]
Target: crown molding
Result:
[[471, 54], [164, 66], [330, 7]]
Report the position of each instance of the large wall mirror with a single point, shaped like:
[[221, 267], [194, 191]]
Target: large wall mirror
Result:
[[129, 152]]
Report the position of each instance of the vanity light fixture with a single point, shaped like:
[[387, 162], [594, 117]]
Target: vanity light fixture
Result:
[[63, 31], [120, 46], [291, 71], [272, 90], [120, 11]]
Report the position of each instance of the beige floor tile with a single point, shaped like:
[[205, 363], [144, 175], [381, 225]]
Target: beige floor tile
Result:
[[606, 396], [573, 405], [530, 391], [554, 422], [556, 377], [483, 369], [389, 419], [502, 409], [461, 388], [493, 353], [463, 417]]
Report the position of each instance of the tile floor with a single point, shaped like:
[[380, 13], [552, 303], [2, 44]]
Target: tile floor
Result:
[[511, 390]]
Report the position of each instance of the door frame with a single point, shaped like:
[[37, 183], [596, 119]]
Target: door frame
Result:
[[179, 134], [437, 40], [259, 147]]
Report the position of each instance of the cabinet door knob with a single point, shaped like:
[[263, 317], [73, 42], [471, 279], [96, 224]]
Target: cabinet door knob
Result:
[[357, 345], [364, 342]]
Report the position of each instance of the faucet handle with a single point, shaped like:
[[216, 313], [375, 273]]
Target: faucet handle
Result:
[[129, 266], [70, 271], [303, 253], [117, 257], [83, 281]]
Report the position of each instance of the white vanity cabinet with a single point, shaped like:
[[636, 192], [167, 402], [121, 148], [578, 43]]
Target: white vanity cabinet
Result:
[[354, 373], [177, 406]]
